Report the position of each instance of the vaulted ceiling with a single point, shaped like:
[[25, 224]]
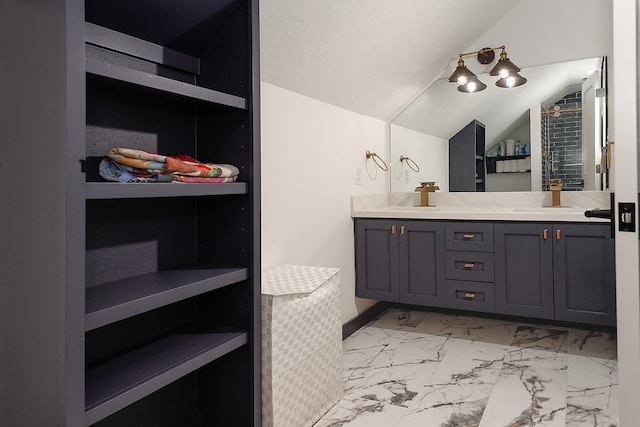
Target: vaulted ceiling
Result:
[[369, 56]]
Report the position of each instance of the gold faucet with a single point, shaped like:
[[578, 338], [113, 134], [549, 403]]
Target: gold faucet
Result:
[[556, 188], [424, 189]]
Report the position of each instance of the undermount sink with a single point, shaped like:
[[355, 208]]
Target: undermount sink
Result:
[[413, 208], [554, 210]]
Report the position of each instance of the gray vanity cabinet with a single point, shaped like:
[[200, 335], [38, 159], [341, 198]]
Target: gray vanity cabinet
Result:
[[422, 263], [470, 266], [584, 273], [524, 270], [377, 260], [556, 271], [400, 261]]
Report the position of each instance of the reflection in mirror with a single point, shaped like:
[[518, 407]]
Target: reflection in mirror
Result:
[[557, 121]]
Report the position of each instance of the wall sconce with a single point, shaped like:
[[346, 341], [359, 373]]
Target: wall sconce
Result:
[[505, 69]]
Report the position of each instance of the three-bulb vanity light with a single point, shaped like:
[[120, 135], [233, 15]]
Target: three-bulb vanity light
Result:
[[505, 69]]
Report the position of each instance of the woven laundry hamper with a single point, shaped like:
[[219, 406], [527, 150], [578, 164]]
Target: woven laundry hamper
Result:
[[301, 345]]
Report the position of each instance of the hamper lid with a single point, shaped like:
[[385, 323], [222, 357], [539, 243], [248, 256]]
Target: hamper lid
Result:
[[295, 279]]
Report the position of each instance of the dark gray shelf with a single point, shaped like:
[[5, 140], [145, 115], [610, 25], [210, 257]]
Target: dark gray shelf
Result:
[[163, 84], [519, 156], [117, 190], [122, 381], [124, 298], [133, 46]]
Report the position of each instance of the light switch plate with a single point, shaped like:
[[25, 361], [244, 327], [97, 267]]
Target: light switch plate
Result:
[[358, 176]]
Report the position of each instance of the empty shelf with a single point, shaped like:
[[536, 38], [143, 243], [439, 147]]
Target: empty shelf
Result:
[[122, 381], [163, 84], [114, 301], [133, 46]]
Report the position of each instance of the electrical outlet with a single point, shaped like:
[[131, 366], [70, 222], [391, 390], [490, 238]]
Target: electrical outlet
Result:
[[358, 176]]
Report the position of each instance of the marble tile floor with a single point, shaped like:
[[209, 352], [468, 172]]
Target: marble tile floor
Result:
[[417, 368]]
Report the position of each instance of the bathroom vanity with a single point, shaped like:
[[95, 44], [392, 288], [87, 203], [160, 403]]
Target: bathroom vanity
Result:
[[544, 263]]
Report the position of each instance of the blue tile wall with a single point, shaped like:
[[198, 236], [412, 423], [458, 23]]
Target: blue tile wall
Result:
[[565, 134]]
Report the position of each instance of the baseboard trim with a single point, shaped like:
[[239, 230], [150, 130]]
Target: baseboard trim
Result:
[[363, 318]]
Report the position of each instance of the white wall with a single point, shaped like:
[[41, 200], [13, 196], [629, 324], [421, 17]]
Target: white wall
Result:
[[430, 153], [533, 31], [310, 152], [509, 181]]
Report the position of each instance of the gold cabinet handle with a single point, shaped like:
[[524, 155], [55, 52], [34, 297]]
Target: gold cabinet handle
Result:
[[545, 234], [469, 265], [394, 229], [402, 230], [469, 295], [558, 235], [468, 236]]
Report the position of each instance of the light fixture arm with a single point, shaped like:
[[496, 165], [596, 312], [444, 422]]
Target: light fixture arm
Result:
[[483, 51]]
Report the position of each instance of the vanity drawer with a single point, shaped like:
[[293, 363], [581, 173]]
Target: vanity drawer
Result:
[[474, 266], [469, 236], [476, 296]]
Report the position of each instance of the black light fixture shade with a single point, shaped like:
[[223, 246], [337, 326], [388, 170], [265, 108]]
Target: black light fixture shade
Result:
[[513, 80], [504, 67], [471, 86], [461, 74]]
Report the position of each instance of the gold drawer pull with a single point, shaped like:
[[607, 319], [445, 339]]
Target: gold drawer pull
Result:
[[468, 236], [470, 265], [402, 229], [558, 235], [393, 229], [546, 234], [469, 295]]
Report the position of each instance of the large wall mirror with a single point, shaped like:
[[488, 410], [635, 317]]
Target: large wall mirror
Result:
[[558, 116]]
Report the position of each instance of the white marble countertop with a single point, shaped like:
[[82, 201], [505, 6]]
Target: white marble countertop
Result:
[[516, 206]]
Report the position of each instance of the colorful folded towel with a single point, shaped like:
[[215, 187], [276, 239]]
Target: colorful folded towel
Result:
[[200, 179], [130, 165], [170, 165]]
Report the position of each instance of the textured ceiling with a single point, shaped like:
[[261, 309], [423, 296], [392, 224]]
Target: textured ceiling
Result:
[[370, 57]]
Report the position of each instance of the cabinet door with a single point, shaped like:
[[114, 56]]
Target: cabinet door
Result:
[[524, 270], [422, 264], [377, 259], [584, 273]]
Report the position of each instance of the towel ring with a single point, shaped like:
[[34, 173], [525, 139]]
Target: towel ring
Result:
[[412, 165], [376, 159]]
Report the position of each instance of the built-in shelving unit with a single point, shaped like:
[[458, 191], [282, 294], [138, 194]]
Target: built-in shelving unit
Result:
[[140, 302], [467, 171], [172, 294]]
